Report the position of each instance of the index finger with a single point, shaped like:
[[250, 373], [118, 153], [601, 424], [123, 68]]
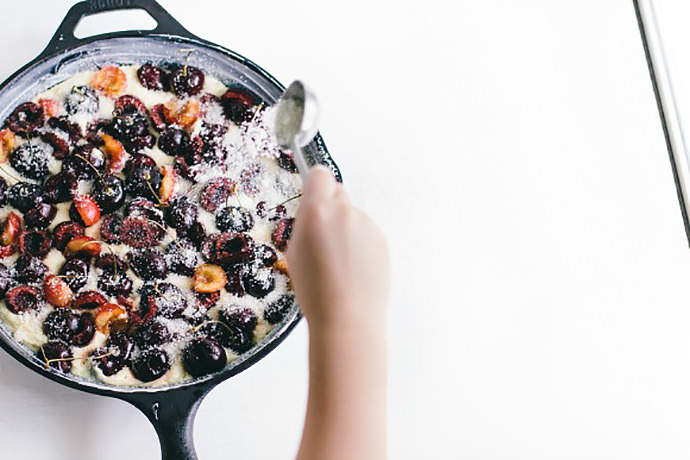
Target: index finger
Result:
[[319, 184]]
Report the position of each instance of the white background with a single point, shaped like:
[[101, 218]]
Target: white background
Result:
[[512, 153]]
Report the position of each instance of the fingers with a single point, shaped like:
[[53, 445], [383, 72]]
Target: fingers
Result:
[[341, 196], [320, 185]]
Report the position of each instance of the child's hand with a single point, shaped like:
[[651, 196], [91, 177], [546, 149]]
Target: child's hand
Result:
[[338, 258], [338, 263]]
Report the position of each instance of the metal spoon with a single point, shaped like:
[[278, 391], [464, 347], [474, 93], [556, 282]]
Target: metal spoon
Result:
[[296, 121]]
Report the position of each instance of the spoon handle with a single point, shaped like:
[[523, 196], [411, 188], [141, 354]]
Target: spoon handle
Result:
[[298, 157]]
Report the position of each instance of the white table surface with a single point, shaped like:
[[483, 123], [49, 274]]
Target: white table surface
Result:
[[513, 155]]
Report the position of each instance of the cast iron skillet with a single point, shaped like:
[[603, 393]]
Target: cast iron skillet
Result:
[[170, 409]]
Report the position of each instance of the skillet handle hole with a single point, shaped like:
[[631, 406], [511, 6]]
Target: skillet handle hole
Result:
[[114, 21]]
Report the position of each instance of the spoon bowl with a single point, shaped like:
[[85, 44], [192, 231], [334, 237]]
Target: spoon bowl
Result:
[[296, 122]]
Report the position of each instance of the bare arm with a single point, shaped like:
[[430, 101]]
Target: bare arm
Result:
[[339, 267]]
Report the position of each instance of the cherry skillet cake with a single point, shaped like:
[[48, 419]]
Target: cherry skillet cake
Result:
[[144, 212]]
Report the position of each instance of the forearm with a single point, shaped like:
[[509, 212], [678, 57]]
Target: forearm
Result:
[[346, 411]]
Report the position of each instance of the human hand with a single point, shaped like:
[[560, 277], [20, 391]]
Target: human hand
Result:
[[337, 256]]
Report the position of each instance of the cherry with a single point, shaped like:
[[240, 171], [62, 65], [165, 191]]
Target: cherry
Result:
[[60, 146], [111, 263], [216, 192], [60, 324], [139, 232], [234, 219], [186, 81], [139, 160], [35, 243], [282, 232], [23, 298], [115, 284], [169, 301], [265, 254], [64, 232], [30, 160], [242, 318], [81, 99], [144, 182], [57, 353], [41, 216], [153, 334], [258, 281], [182, 213], [116, 354], [26, 118], [24, 195], [150, 364], [89, 300], [86, 328], [110, 228], [286, 162], [84, 161], [152, 77], [29, 269], [148, 264], [174, 141], [277, 310], [237, 105], [63, 123], [76, 273], [109, 193], [60, 187], [204, 356], [181, 257]]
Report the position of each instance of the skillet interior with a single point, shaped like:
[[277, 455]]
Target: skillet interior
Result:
[[229, 68]]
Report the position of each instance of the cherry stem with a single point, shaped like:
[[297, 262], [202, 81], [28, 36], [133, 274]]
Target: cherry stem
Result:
[[237, 195], [98, 173], [286, 201], [74, 358], [186, 59], [10, 175], [173, 241], [161, 203], [197, 328]]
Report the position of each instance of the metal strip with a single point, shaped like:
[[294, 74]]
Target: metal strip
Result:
[[663, 91]]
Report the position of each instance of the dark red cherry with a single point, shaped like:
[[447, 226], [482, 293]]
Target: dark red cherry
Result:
[[204, 356], [150, 364], [186, 81], [26, 118], [56, 354], [152, 77]]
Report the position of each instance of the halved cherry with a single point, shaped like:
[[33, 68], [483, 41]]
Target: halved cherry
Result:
[[82, 247], [110, 80], [184, 115], [123, 104], [51, 107], [57, 292], [8, 141], [167, 183], [115, 153], [10, 231], [88, 209], [282, 266], [6, 251], [209, 278], [158, 118], [89, 300], [107, 315]]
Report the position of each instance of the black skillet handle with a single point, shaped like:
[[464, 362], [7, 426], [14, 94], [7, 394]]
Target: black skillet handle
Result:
[[64, 36], [172, 415]]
